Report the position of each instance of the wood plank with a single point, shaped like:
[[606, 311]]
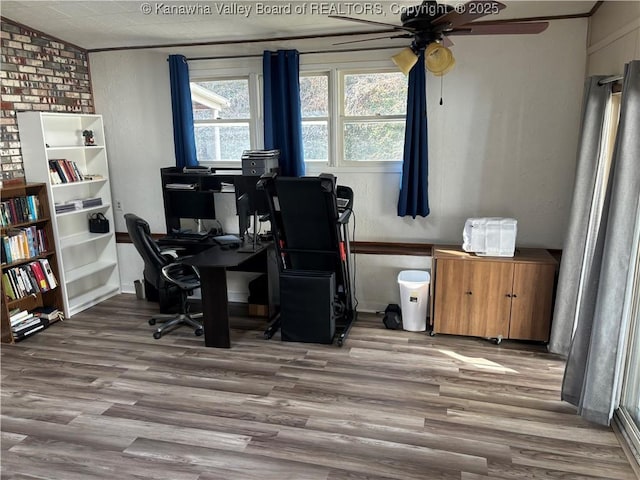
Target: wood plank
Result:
[[99, 398]]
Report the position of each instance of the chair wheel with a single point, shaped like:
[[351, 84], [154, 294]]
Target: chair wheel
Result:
[[199, 331], [152, 321], [157, 335]]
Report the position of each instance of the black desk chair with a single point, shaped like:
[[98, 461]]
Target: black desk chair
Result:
[[168, 275], [310, 233]]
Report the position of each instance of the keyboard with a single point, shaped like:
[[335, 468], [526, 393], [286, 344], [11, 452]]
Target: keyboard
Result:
[[191, 235]]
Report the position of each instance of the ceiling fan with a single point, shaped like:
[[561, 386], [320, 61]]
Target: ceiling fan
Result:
[[430, 25]]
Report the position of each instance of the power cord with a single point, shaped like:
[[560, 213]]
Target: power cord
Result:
[[353, 236]]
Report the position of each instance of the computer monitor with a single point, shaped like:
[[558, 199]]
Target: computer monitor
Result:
[[191, 204], [246, 185], [244, 214]]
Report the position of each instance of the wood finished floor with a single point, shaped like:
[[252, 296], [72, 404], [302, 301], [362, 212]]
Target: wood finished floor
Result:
[[96, 397]]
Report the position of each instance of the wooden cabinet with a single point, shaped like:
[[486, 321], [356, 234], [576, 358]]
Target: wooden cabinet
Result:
[[39, 222], [88, 261], [493, 297]]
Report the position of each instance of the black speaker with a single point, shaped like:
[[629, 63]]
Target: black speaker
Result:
[[392, 317]]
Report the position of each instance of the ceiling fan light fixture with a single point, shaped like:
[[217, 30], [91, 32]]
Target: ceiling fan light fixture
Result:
[[405, 60], [438, 59]]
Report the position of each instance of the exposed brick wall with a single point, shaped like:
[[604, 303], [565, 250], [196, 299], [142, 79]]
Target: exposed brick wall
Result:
[[38, 73]]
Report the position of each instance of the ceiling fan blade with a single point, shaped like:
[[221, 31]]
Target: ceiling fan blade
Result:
[[500, 29], [371, 22], [468, 12], [407, 35]]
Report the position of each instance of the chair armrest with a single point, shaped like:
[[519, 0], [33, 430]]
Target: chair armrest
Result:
[[175, 272], [344, 216]]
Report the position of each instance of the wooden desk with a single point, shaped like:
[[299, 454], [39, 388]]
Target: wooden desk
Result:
[[213, 265]]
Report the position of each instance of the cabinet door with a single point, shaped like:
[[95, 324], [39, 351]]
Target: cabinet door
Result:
[[531, 301], [489, 289], [451, 303]]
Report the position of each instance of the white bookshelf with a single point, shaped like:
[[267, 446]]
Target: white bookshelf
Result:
[[88, 261]]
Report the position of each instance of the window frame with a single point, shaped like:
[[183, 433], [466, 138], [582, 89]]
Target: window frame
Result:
[[322, 65], [254, 119], [328, 118], [343, 119]]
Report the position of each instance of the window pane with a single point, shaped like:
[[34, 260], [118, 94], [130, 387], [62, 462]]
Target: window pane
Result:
[[216, 143], [375, 94], [315, 141], [314, 96], [379, 141], [220, 99]]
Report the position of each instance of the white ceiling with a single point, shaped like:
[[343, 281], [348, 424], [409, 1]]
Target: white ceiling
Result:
[[102, 24]]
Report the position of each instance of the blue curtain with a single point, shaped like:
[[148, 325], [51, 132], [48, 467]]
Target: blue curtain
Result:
[[282, 116], [183, 135], [413, 198]]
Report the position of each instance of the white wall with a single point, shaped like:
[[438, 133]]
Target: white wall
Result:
[[503, 143], [614, 37]]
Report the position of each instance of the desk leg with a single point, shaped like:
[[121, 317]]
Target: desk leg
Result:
[[215, 307]]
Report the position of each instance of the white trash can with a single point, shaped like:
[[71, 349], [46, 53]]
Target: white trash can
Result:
[[414, 298]]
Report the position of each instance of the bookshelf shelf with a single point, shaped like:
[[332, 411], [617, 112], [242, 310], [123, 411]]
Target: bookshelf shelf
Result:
[[73, 147], [79, 184], [85, 300], [54, 142], [82, 238], [50, 298], [16, 263], [87, 270]]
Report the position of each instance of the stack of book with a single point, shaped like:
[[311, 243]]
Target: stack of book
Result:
[[19, 210], [64, 171], [65, 207], [91, 202], [28, 279], [25, 323], [73, 205], [21, 243]]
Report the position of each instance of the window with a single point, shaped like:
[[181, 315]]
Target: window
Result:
[[314, 103], [349, 118], [222, 119], [373, 115]]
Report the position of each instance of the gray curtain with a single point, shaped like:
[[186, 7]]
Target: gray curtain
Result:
[[590, 380], [574, 250]]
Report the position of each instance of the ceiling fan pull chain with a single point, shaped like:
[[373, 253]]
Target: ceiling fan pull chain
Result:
[[441, 80]]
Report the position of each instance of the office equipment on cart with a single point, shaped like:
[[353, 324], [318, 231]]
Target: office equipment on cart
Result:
[[310, 233], [259, 162]]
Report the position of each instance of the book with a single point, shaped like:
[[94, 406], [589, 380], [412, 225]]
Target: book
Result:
[[48, 313], [23, 323], [7, 286], [93, 176], [36, 267], [18, 316], [19, 336], [51, 278]]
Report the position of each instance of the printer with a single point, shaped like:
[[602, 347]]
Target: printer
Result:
[[490, 236]]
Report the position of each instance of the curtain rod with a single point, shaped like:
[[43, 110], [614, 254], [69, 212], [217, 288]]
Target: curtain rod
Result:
[[310, 52], [612, 79]]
